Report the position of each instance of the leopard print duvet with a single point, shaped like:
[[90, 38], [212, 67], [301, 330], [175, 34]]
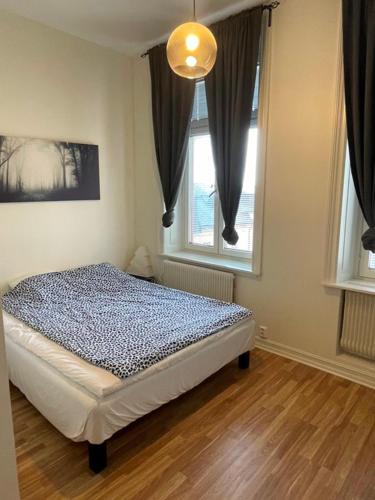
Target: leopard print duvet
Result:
[[116, 321]]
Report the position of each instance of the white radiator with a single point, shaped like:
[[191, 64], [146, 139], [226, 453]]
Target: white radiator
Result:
[[198, 280], [358, 325]]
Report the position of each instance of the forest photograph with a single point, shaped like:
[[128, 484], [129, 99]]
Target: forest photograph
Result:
[[45, 170]]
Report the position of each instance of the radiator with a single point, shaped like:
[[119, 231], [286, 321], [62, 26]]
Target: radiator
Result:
[[358, 325], [198, 280]]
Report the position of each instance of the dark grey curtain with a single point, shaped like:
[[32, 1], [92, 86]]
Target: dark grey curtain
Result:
[[359, 76], [172, 103], [230, 90]]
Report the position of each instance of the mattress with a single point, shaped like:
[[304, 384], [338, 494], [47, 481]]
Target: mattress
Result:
[[85, 402], [116, 321], [95, 380]]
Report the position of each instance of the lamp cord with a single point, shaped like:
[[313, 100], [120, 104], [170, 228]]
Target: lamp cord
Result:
[[194, 16]]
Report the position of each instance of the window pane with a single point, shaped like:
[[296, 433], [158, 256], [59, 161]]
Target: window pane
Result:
[[245, 215], [200, 104], [371, 260], [200, 111], [202, 179], [254, 109], [256, 90], [202, 192]]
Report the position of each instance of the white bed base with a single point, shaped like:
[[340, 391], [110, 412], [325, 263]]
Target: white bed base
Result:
[[81, 416]]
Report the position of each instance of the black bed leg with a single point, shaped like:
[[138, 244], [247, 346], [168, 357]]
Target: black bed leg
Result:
[[98, 457], [244, 360]]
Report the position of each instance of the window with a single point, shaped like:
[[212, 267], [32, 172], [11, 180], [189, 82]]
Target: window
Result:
[[367, 259], [354, 261], [202, 193], [204, 222], [348, 265], [195, 235]]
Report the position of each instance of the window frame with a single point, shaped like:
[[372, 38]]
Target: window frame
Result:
[[197, 131], [347, 261], [364, 270], [200, 127], [218, 247], [353, 259], [234, 252], [173, 240]]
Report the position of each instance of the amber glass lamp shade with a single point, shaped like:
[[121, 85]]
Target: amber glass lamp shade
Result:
[[191, 50]]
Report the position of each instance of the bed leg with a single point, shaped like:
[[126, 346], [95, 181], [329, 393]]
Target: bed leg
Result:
[[98, 457], [244, 360]]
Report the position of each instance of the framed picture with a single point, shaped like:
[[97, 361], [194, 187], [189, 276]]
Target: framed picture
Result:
[[45, 170]]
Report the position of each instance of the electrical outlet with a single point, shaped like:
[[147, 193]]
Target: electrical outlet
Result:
[[263, 332]]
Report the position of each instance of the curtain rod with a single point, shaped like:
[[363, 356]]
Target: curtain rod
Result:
[[270, 7]]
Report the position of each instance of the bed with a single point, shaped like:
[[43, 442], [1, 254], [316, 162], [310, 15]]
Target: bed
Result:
[[88, 401]]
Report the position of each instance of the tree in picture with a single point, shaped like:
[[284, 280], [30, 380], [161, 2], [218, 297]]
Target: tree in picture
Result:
[[44, 170]]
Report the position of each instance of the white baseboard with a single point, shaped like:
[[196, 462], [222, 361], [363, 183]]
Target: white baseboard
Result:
[[356, 374]]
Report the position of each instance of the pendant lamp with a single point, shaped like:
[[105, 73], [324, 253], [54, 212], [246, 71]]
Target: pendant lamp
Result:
[[191, 50]]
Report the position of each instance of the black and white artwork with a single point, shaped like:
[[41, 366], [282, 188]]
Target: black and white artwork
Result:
[[45, 170]]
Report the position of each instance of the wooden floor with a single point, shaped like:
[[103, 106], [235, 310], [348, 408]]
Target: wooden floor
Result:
[[281, 430]]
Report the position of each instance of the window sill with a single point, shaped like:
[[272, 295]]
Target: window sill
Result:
[[237, 266], [355, 285]]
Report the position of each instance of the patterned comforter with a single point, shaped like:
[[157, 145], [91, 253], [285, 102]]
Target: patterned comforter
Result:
[[115, 321]]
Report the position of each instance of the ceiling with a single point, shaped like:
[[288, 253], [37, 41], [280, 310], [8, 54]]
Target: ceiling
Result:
[[125, 25]]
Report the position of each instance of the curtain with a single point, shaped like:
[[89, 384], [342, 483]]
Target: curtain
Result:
[[359, 78], [172, 103], [230, 89]]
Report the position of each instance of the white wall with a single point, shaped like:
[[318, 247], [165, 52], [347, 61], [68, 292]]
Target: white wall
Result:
[[57, 86], [289, 297]]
